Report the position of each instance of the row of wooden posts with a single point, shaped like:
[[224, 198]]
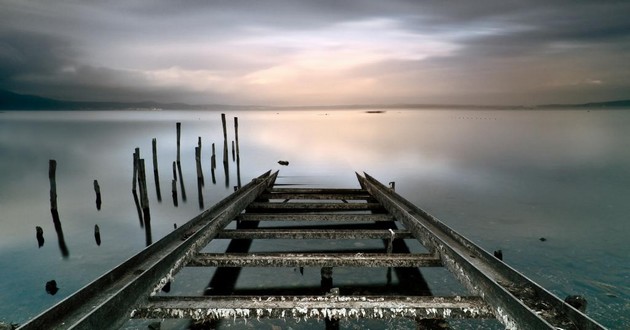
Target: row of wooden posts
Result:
[[139, 184]]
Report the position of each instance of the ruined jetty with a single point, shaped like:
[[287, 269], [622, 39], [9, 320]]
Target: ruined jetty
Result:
[[371, 212]]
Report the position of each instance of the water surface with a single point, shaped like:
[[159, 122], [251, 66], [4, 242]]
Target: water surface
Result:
[[505, 179]]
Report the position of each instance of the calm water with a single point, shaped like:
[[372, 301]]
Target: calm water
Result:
[[502, 178]]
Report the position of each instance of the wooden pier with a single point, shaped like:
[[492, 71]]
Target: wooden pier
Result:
[[375, 212]]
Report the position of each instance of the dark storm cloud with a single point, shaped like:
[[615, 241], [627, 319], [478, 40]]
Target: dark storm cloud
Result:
[[25, 53]]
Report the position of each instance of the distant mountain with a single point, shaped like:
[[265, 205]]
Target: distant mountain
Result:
[[609, 104], [15, 101]]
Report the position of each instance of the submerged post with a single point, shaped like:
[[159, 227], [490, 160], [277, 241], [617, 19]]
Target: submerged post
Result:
[[144, 199], [238, 154], [225, 151], [179, 164], [97, 235], [174, 184], [174, 191], [226, 167], [179, 134], [136, 157], [52, 170], [97, 190], [200, 180], [213, 164], [156, 176], [40, 236]]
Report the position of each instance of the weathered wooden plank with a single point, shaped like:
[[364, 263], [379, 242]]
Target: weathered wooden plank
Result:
[[315, 260], [316, 307], [307, 207], [295, 196], [318, 191], [270, 233], [315, 217]]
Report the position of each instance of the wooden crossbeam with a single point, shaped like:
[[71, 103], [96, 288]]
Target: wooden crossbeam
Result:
[[202, 308], [315, 260], [314, 217], [271, 233]]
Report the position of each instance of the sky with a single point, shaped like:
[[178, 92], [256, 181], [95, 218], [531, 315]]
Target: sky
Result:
[[321, 52]]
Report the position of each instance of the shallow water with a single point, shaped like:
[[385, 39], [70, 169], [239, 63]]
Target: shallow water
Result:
[[504, 179]]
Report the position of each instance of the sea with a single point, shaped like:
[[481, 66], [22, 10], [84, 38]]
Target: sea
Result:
[[550, 188]]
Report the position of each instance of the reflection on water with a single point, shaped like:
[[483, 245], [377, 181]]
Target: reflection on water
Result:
[[502, 178]]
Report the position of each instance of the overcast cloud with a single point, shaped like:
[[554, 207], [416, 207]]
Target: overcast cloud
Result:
[[283, 52]]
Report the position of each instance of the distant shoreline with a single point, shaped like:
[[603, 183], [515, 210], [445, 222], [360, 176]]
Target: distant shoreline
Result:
[[20, 102]]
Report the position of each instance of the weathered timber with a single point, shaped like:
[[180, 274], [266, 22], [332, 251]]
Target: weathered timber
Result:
[[274, 233], [322, 196], [178, 127], [314, 260], [106, 302], [97, 190], [156, 174], [225, 139], [52, 176], [144, 195], [52, 171], [39, 234], [309, 207], [315, 217], [97, 235], [316, 307]]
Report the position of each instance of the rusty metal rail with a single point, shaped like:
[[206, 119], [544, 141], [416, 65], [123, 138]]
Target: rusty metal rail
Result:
[[373, 212], [517, 301]]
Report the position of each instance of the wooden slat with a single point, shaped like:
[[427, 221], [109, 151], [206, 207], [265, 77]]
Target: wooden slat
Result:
[[314, 260], [300, 207], [270, 233], [205, 308], [314, 217]]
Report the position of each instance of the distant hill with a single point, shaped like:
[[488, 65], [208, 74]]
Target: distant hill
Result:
[[15, 101], [609, 104]]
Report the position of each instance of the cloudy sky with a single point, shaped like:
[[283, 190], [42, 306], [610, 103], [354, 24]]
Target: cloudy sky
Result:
[[288, 52]]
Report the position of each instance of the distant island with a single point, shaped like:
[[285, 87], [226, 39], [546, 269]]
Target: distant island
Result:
[[14, 101]]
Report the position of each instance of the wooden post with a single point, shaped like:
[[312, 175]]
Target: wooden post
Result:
[[174, 190], [198, 161], [136, 157], [213, 165], [40, 236], [97, 190], [97, 235], [236, 137], [181, 181], [225, 152], [52, 170], [233, 151], [225, 147], [179, 164], [200, 180], [144, 199], [179, 134], [174, 184], [156, 176], [238, 154]]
